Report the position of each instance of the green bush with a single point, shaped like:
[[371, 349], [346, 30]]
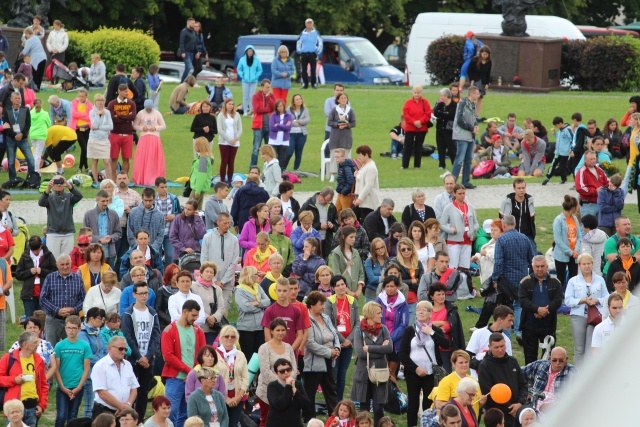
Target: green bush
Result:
[[133, 48], [602, 64], [444, 59]]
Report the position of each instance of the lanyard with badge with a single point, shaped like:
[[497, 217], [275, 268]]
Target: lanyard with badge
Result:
[[16, 125]]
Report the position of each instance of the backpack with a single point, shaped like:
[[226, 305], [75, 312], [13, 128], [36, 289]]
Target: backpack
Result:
[[397, 401], [190, 261], [484, 169], [428, 149], [32, 181], [125, 81]]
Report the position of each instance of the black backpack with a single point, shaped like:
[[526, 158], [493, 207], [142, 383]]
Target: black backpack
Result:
[[394, 403], [33, 180]]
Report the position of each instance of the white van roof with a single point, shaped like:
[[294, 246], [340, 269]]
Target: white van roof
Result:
[[432, 25]]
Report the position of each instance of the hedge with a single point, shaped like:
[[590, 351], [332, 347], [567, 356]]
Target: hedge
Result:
[[602, 64], [133, 48], [444, 59]]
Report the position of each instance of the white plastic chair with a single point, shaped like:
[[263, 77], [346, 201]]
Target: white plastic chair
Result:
[[324, 161]]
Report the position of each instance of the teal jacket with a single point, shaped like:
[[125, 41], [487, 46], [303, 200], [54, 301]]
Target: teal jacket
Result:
[[199, 407], [106, 334]]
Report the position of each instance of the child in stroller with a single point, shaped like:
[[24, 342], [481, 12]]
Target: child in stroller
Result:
[[71, 79]]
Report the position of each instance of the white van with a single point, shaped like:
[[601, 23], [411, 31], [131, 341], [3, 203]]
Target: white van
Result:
[[433, 25]]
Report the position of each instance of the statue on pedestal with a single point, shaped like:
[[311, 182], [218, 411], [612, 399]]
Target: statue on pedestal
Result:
[[21, 10], [513, 12]]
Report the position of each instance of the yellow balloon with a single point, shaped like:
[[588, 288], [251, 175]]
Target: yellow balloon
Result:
[[182, 179], [272, 291]]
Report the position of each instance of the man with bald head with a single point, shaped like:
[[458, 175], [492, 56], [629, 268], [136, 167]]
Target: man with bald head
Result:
[[62, 295], [549, 376]]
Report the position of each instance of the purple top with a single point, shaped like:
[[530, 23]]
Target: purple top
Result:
[[275, 126], [389, 315], [192, 383]]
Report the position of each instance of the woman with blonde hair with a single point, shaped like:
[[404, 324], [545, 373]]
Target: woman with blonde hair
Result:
[[97, 71], [106, 295], [259, 255], [304, 231], [374, 268], [271, 173], [99, 147], [229, 131], [282, 69], [252, 301], [411, 271], [232, 364], [324, 274], [275, 209], [201, 170]]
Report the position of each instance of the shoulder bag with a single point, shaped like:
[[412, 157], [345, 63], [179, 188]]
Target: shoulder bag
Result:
[[376, 375], [438, 371]]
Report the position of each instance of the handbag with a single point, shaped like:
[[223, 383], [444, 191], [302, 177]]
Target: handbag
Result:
[[438, 371], [376, 375], [594, 317]]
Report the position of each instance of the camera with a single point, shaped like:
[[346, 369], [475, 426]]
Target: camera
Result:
[[58, 181]]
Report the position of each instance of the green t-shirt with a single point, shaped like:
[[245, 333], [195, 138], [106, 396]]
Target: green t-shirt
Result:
[[187, 347], [610, 248], [72, 356]]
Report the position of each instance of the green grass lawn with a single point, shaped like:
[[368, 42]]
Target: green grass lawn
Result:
[[377, 111], [544, 239]]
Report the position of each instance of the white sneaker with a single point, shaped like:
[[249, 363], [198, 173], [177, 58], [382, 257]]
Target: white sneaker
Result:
[[445, 173], [394, 155], [332, 178]]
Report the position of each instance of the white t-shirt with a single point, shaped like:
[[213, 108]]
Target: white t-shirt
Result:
[[287, 210], [143, 326], [425, 253], [479, 342], [385, 221], [602, 333]]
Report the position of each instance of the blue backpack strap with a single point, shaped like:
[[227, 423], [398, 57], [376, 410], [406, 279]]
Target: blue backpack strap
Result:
[[3, 268]]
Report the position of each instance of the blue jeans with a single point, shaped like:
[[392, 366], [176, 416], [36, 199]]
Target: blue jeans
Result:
[[258, 136], [296, 145], [464, 155], [248, 89], [412, 312], [589, 209], [174, 390], [181, 110], [517, 312], [167, 249], [188, 60], [88, 398], [340, 371], [30, 305], [29, 417], [396, 147], [67, 408], [25, 147], [234, 414]]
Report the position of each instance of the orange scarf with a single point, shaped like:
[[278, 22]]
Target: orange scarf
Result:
[[627, 265]]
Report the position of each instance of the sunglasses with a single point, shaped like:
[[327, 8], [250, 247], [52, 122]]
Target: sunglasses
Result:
[[558, 360], [285, 370], [406, 250], [84, 245], [121, 348]]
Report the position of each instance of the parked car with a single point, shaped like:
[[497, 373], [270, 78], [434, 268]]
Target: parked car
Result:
[[171, 71], [345, 59]]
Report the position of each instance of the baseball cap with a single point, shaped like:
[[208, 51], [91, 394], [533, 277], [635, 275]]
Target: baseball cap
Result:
[[486, 225], [496, 137], [84, 240], [469, 34]]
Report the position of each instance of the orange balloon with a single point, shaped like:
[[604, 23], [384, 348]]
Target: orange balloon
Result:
[[500, 393]]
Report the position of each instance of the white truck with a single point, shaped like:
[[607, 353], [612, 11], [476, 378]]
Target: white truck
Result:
[[433, 25]]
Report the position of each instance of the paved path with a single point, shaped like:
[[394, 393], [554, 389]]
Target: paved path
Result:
[[483, 197]]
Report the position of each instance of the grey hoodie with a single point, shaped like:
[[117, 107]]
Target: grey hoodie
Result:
[[465, 120], [224, 252]]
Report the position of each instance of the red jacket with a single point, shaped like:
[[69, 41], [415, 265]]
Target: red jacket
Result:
[[77, 259], [13, 390], [587, 184], [170, 345], [262, 104], [413, 111]]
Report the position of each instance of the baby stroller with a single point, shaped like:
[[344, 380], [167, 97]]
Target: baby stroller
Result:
[[71, 82]]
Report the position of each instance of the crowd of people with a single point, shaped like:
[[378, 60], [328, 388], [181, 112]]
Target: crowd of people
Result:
[[146, 289]]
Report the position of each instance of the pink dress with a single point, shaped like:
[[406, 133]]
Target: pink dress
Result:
[[148, 162]]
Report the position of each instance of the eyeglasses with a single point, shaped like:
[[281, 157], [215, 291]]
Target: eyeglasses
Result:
[[380, 248], [142, 293], [558, 360], [120, 348], [229, 337], [282, 371], [405, 249], [471, 395], [71, 328]]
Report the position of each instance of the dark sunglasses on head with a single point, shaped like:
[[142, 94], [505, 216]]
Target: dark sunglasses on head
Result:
[[282, 371]]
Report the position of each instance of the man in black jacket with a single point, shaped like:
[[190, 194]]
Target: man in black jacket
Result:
[[17, 122], [540, 298], [378, 222], [325, 217], [498, 367], [17, 85], [112, 87], [187, 47]]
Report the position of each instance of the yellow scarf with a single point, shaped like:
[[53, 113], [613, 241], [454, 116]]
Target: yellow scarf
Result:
[[269, 276], [261, 257], [253, 289], [625, 299]]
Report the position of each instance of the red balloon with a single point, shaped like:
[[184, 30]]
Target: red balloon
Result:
[[500, 393]]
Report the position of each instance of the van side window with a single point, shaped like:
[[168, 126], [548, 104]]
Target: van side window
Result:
[[335, 54], [265, 53]]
